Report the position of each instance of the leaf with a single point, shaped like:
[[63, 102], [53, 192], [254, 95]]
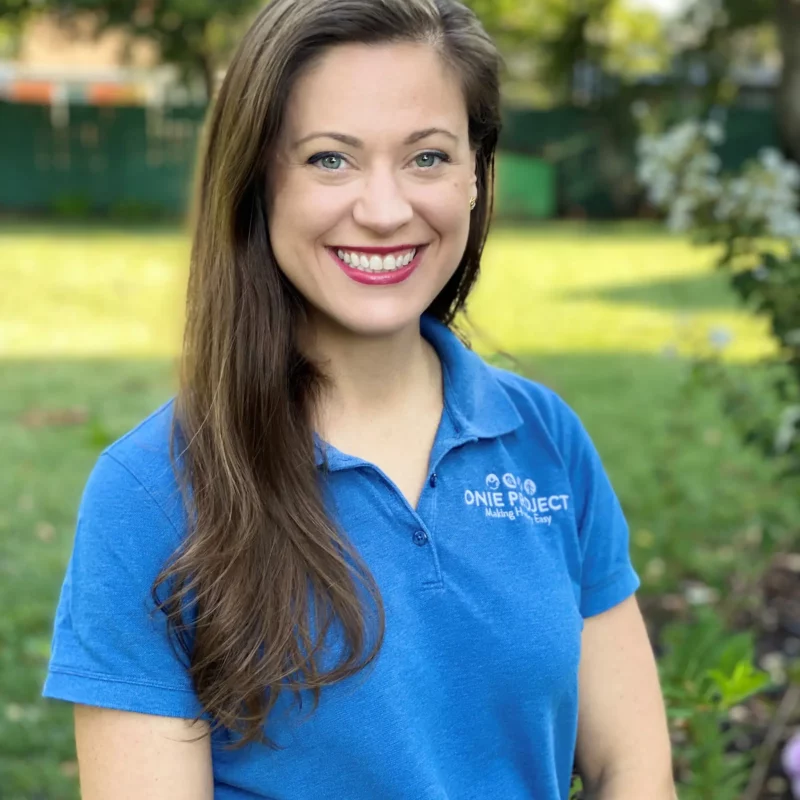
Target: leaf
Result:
[[745, 681]]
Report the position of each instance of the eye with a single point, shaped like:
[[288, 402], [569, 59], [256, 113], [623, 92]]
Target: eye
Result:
[[430, 155], [327, 161]]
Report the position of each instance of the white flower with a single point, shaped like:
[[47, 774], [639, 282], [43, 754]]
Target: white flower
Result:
[[787, 429], [770, 158], [680, 172], [662, 189], [785, 174], [681, 214], [783, 224], [682, 175], [705, 162], [698, 594], [714, 132]]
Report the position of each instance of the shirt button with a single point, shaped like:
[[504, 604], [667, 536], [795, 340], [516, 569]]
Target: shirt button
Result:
[[433, 480], [420, 538]]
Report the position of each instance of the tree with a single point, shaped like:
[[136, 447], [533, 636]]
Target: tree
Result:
[[543, 41], [12, 9], [728, 22], [711, 31], [195, 35], [788, 18], [589, 52], [12, 17]]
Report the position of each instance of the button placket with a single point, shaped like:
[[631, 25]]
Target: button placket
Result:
[[431, 573], [424, 536], [418, 531]]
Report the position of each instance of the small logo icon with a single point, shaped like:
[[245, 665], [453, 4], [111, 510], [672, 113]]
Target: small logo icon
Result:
[[492, 481], [530, 487], [510, 481]]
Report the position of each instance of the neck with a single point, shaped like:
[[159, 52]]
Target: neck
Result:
[[372, 378]]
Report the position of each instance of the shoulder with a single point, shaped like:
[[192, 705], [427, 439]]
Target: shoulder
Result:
[[109, 647], [541, 408], [144, 449], [134, 475]]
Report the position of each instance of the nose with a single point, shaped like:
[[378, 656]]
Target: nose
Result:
[[382, 206]]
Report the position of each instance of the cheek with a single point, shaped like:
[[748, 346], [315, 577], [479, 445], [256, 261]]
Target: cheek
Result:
[[452, 200], [447, 211], [298, 222], [301, 216]]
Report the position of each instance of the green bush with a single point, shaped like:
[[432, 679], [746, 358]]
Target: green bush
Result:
[[72, 206], [706, 671]]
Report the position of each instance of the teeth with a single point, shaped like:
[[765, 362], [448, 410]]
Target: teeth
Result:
[[376, 263]]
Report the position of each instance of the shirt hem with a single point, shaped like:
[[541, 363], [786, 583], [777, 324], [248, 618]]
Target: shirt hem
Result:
[[119, 694], [609, 593]]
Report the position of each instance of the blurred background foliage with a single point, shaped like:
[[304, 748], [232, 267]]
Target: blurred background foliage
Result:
[[673, 347]]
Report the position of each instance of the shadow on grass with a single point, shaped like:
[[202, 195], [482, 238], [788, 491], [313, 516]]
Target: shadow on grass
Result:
[[626, 401], [701, 293]]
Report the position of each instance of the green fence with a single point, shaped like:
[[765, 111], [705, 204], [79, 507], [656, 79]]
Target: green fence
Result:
[[526, 187], [122, 160], [593, 158], [138, 162]]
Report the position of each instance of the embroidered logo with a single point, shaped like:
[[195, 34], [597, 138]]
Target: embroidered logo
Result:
[[518, 498]]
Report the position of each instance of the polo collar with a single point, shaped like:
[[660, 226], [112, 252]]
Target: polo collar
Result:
[[473, 395], [477, 403]]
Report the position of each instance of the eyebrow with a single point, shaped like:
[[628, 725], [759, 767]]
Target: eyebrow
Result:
[[352, 141]]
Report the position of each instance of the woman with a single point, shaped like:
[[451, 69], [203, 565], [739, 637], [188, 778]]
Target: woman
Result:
[[355, 509]]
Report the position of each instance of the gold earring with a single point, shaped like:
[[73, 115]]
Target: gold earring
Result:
[[472, 203]]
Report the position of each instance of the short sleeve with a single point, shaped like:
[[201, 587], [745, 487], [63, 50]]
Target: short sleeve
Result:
[[607, 574], [109, 647]]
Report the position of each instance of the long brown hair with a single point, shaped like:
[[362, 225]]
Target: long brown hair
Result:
[[262, 565]]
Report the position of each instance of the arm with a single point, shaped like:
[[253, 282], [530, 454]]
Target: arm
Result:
[[129, 756], [111, 656], [623, 748]]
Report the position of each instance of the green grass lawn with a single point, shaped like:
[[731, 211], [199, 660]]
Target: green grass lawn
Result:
[[90, 323]]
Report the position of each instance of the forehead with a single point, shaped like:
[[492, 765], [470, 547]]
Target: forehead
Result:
[[356, 85]]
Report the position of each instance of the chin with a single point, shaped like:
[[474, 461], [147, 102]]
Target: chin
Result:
[[376, 319]]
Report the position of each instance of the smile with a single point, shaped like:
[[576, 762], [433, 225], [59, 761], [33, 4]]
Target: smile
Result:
[[378, 266], [371, 262]]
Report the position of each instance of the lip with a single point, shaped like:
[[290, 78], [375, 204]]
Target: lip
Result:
[[379, 278]]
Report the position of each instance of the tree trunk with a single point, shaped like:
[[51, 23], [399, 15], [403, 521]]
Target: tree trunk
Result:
[[788, 108]]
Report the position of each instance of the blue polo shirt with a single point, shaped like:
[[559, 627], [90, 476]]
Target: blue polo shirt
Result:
[[516, 539]]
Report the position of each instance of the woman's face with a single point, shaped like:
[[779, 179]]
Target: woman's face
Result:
[[370, 187]]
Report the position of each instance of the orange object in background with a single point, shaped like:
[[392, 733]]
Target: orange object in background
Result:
[[32, 92], [110, 94]]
